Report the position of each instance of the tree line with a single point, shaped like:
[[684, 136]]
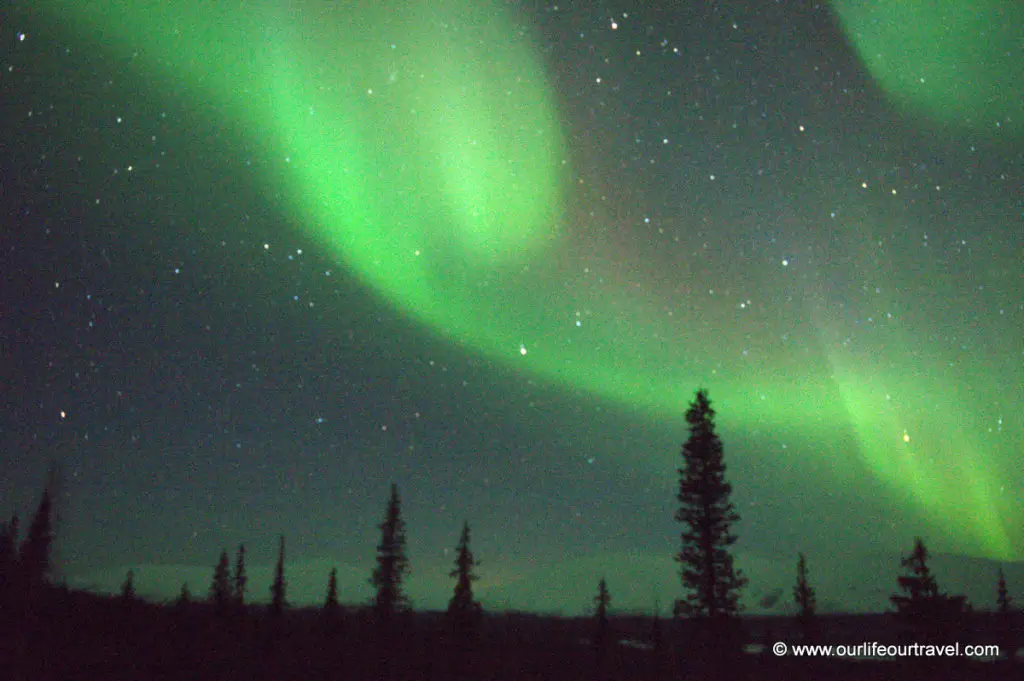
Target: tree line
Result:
[[708, 612]]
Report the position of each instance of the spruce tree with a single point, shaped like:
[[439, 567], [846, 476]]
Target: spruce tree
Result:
[[239, 578], [331, 625], [277, 589], [803, 594], [1004, 603], [183, 604], [185, 596], [331, 605], [601, 625], [931, 615], [8, 555], [1004, 624], [920, 585], [392, 564], [464, 613], [128, 587], [221, 593], [708, 575], [34, 559]]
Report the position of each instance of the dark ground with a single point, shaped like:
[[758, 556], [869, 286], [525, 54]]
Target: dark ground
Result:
[[75, 635]]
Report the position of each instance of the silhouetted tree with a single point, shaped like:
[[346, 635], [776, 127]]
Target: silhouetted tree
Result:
[[331, 624], [392, 564], [185, 596], [181, 611], [1004, 603], [711, 582], [931, 615], [331, 602], [220, 590], [34, 559], [8, 555], [390, 607], [277, 589], [128, 587], [1004, 625], [182, 635], [803, 594], [463, 617], [464, 613], [601, 625], [239, 578], [331, 606]]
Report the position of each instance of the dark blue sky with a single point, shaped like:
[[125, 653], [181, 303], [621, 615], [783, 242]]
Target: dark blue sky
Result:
[[205, 374]]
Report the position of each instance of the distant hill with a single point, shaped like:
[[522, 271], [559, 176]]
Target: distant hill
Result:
[[844, 584]]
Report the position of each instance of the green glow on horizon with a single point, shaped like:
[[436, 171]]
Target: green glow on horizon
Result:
[[420, 143], [956, 61]]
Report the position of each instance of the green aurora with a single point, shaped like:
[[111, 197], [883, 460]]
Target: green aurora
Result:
[[428, 156], [955, 61]]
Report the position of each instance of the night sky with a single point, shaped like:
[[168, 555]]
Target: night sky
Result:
[[260, 261]]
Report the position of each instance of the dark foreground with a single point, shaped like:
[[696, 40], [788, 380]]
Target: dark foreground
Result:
[[70, 635]]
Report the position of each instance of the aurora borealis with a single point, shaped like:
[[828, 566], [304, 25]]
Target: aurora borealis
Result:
[[270, 257]]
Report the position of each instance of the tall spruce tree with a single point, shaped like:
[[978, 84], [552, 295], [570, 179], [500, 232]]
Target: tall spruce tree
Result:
[[711, 582], [331, 605], [331, 621], [8, 555], [221, 593], [392, 564], [464, 612], [1004, 603], [239, 578], [184, 596], [1004, 619], [931, 615], [602, 600], [277, 589], [182, 607], [35, 557], [128, 587], [803, 594]]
